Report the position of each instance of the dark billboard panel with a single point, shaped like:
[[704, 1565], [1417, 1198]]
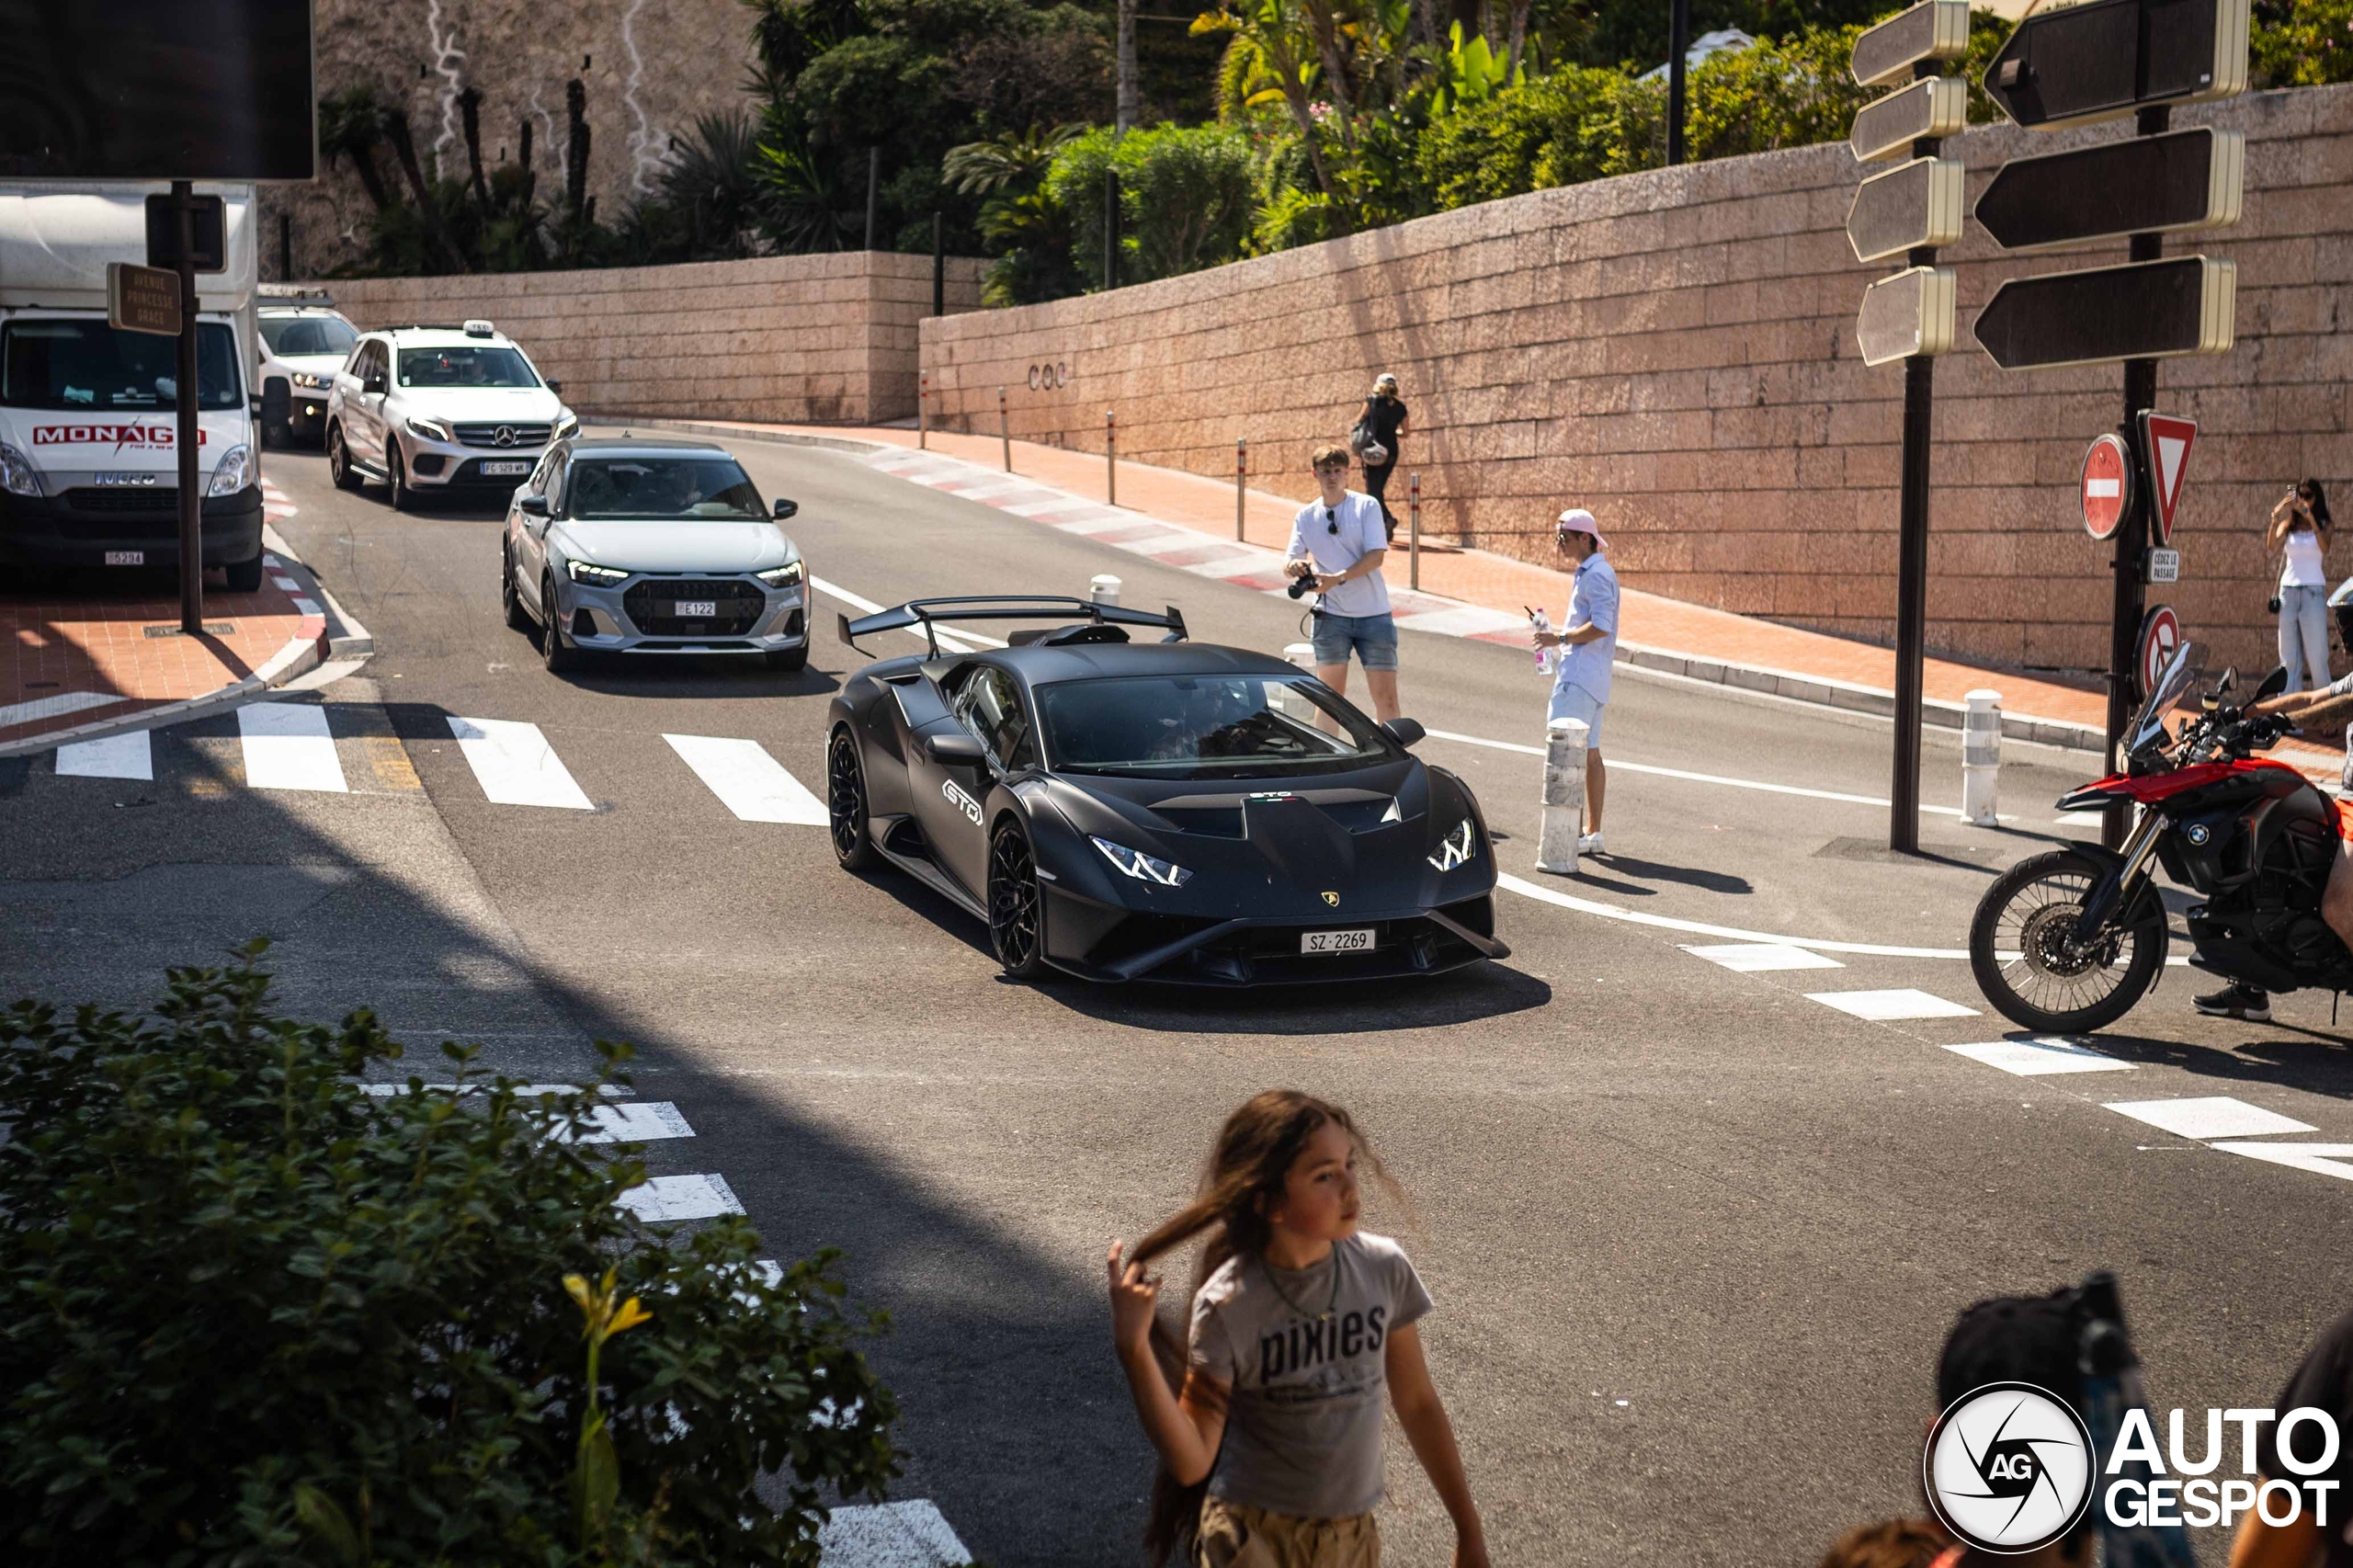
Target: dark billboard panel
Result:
[[157, 89]]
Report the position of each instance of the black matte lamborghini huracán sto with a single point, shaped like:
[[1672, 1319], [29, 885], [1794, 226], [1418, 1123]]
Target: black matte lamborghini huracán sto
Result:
[[1162, 811]]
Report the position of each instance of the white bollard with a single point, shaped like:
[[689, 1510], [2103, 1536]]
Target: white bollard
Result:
[[1981, 757], [1556, 846], [1301, 653], [1104, 589]]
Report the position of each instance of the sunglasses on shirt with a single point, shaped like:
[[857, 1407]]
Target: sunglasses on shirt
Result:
[[1331, 521]]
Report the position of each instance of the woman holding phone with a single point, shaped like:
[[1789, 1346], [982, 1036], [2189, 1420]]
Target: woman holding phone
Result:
[[2298, 534]]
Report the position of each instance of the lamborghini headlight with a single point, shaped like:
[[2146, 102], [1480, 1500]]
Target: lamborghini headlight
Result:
[[595, 576], [788, 575], [1457, 848], [1143, 867]]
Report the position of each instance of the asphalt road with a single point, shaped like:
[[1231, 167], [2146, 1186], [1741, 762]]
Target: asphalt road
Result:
[[1695, 1236]]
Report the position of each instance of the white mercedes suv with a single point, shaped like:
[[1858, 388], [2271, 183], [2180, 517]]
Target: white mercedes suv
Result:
[[450, 411]]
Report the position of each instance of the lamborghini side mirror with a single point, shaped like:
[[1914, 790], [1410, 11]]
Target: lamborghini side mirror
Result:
[[955, 748]]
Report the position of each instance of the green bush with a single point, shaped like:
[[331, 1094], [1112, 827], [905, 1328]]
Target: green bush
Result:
[[257, 1315], [1186, 198]]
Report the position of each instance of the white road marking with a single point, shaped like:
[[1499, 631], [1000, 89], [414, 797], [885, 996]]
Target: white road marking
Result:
[[1756, 958], [2042, 1055], [681, 1197], [2212, 1116], [527, 1091], [749, 781], [515, 765], [1716, 779], [1698, 928], [288, 747], [52, 706], [868, 607], [2322, 1159], [890, 1535], [636, 1121], [288, 583], [110, 756], [1885, 1007]]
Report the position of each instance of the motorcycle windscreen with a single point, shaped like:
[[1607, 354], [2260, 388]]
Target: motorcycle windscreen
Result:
[[2172, 686]]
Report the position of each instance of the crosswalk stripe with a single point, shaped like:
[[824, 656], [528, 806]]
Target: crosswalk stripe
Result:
[[2322, 1159], [681, 1197], [515, 765], [910, 1534], [109, 757], [2210, 1115], [1756, 958], [749, 781], [636, 1121], [1884, 1007], [2041, 1056], [288, 747]]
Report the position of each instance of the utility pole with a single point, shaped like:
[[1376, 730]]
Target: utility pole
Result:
[[1129, 103], [938, 266], [186, 435], [873, 190], [1678, 46], [1111, 228]]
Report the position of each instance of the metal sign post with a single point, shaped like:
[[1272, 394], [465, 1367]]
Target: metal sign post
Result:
[[1241, 476], [1909, 211], [1110, 458], [1413, 535]]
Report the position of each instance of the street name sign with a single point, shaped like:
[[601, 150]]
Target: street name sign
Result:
[[2160, 635], [1910, 313], [142, 298], [2106, 487], [2186, 179], [2108, 58], [2143, 310], [2165, 441], [1933, 106], [1916, 204], [1934, 29]]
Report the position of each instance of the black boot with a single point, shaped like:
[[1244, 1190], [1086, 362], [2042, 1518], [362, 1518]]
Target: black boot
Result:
[[2237, 1001]]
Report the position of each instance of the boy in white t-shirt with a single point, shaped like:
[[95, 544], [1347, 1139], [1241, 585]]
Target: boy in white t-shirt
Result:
[[1340, 542]]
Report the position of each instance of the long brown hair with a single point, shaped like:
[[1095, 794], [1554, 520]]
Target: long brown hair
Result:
[[1246, 1176]]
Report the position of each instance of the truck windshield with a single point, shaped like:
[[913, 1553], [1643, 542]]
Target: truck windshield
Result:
[[293, 336], [64, 363], [465, 367]]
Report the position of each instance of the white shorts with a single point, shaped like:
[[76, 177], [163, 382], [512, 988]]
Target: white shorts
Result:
[[1577, 702]]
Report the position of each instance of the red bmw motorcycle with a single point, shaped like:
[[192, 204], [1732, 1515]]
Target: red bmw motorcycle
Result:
[[2066, 942]]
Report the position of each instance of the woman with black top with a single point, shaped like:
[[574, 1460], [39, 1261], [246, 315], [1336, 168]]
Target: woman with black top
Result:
[[1383, 420]]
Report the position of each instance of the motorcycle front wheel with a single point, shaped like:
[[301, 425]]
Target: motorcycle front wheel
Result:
[[2022, 947]]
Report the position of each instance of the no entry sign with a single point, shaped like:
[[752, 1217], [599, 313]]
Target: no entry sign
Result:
[[2106, 487], [2165, 441], [2160, 636]]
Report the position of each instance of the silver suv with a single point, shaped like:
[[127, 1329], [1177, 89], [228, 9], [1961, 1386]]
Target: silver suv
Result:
[[454, 411]]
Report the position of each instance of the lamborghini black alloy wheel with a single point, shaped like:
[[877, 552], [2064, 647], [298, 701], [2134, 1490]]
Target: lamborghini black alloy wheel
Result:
[[845, 804], [1016, 922]]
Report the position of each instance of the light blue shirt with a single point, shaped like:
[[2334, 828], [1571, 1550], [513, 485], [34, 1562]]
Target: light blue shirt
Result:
[[1593, 601], [1361, 533]]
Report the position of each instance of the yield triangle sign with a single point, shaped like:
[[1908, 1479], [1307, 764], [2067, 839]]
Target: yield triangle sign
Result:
[[2165, 441]]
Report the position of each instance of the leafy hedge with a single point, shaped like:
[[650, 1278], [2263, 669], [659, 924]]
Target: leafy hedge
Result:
[[257, 1315]]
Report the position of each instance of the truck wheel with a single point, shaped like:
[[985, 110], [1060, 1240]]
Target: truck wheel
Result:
[[245, 577]]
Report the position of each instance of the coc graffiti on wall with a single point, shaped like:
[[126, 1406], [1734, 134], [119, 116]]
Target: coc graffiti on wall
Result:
[[1047, 378]]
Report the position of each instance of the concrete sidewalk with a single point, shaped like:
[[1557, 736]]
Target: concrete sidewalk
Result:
[[1659, 633], [84, 663]]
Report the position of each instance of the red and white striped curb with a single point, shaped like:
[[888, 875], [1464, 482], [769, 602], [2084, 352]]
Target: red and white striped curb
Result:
[[1172, 544]]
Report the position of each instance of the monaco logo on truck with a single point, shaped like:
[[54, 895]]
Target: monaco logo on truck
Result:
[[117, 436]]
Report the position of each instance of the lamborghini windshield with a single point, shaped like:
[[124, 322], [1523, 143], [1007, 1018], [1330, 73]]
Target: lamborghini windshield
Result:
[[1205, 727]]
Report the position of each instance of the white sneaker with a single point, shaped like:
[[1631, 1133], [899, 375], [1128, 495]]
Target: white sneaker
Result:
[[1589, 843]]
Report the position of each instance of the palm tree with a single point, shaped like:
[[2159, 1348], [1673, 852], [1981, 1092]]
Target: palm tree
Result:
[[351, 126], [1274, 51], [1011, 157], [713, 179]]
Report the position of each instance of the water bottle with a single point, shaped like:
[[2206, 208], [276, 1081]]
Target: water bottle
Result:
[[1541, 621]]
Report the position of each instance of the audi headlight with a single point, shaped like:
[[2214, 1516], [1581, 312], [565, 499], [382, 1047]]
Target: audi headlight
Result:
[[788, 575], [1143, 867], [237, 471], [433, 430], [595, 576], [308, 379], [1457, 848], [18, 476]]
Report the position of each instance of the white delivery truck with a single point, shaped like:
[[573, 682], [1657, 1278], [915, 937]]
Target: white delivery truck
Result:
[[89, 475]]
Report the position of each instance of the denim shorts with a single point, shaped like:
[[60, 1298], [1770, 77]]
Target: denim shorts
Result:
[[1374, 638]]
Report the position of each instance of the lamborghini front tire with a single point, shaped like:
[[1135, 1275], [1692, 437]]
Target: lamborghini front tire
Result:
[[1016, 906], [846, 811]]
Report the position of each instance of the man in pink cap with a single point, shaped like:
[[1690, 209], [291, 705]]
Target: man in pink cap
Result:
[[1588, 644]]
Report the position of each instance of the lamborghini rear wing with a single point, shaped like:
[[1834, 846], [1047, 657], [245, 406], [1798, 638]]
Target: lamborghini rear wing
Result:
[[928, 613]]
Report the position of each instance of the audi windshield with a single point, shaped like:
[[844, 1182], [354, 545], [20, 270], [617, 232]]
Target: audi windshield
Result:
[[1205, 727], [697, 489]]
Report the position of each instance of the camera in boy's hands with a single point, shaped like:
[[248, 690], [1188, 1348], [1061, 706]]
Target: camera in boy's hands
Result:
[[1301, 586]]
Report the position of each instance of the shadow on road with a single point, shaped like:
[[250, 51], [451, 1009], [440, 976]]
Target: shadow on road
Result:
[[1656, 871], [2314, 1061]]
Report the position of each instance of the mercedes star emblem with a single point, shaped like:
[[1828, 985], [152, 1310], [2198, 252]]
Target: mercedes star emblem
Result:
[[504, 435]]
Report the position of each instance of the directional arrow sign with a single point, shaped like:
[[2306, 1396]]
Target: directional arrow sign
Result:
[[1910, 313], [2144, 309], [2189, 179], [1915, 205], [2106, 57], [1934, 29], [2165, 441], [1933, 106]]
